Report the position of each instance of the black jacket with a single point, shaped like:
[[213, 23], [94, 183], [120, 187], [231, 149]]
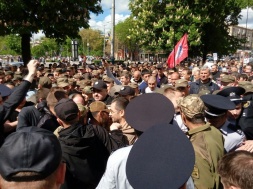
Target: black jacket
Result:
[[86, 149], [12, 103], [195, 87], [246, 119]]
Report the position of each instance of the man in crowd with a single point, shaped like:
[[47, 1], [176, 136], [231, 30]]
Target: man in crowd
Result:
[[126, 92], [85, 147], [31, 158], [216, 114], [117, 113], [204, 83], [99, 115], [161, 78], [100, 93], [207, 142], [174, 77], [144, 84], [235, 170], [11, 102], [215, 72]]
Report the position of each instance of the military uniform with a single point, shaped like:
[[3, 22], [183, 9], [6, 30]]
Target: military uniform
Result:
[[208, 144]]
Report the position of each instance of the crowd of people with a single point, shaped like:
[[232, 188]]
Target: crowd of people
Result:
[[128, 125]]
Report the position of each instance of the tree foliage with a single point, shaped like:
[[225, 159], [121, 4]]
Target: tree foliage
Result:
[[124, 35], [245, 3], [159, 24], [91, 42], [58, 19], [47, 47]]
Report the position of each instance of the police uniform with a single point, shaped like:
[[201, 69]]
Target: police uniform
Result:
[[246, 118], [217, 106], [233, 136]]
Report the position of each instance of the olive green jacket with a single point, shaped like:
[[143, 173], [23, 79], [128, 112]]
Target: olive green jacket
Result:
[[208, 145]]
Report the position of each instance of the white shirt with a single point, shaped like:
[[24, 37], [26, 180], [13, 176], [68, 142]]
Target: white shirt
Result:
[[115, 173]]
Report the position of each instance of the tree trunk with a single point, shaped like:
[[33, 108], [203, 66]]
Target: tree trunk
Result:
[[26, 48]]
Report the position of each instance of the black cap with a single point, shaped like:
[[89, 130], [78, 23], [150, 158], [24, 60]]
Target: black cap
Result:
[[4, 91], [232, 93], [66, 109], [163, 157], [217, 105], [126, 90], [30, 149], [99, 85], [149, 109]]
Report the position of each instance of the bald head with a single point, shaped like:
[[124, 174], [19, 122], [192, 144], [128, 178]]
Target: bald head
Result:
[[137, 75], [174, 76]]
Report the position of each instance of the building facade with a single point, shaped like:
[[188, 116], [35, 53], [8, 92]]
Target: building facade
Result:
[[241, 32]]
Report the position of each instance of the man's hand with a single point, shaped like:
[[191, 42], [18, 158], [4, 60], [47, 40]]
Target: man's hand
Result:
[[32, 65], [247, 146], [105, 63], [115, 126]]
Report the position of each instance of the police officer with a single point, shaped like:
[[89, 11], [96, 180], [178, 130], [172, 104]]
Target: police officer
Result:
[[246, 118], [216, 113]]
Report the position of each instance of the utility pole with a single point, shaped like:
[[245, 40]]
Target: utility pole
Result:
[[104, 44], [113, 31]]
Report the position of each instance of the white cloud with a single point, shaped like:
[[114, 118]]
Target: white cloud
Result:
[[242, 22], [106, 22], [121, 6]]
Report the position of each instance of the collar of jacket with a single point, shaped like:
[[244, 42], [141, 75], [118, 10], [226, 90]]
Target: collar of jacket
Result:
[[198, 129], [198, 82]]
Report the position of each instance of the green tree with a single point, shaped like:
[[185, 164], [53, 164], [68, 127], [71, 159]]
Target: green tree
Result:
[[58, 19], [10, 44], [245, 3], [14, 43], [46, 47], [159, 24], [91, 42], [123, 33]]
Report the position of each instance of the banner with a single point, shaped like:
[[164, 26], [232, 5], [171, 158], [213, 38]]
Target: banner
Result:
[[181, 50]]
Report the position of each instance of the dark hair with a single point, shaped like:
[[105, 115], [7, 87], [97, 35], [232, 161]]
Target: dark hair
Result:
[[197, 119], [126, 75], [244, 76], [236, 75], [250, 78], [189, 72], [42, 94], [236, 169], [121, 103], [145, 71]]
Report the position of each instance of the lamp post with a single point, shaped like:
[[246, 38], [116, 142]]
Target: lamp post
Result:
[[113, 31], [104, 44]]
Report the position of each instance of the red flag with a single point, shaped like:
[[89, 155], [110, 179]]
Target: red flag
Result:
[[181, 52]]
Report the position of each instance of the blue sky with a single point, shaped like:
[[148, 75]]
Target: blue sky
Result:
[[122, 12]]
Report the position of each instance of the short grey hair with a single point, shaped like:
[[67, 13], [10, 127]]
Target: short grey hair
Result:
[[205, 68]]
